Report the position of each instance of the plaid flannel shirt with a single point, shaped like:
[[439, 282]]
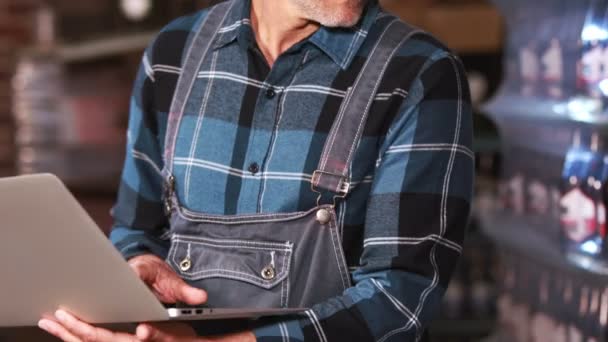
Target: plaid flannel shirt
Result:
[[258, 137]]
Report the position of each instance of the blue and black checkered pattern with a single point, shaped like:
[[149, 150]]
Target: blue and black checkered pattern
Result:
[[253, 137]]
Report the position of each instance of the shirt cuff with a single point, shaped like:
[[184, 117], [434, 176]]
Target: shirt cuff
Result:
[[288, 331]]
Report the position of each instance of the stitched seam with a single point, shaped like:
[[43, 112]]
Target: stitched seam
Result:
[[347, 100], [288, 281], [370, 101], [398, 305], [344, 264], [317, 325], [425, 149], [241, 219], [144, 157], [412, 240], [231, 274], [285, 284], [265, 249], [425, 293], [333, 233], [274, 142], [174, 123], [235, 25], [386, 243], [199, 127], [147, 68], [236, 244], [447, 177], [284, 332], [350, 49], [334, 132], [360, 35]]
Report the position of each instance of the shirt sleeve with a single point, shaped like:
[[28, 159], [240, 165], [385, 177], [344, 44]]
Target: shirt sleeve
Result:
[[139, 220], [416, 218]]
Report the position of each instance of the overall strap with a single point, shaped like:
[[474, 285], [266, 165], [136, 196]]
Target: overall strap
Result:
[[196, 53], [332, 174]]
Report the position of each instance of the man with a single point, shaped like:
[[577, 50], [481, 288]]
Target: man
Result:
[[238, 149]]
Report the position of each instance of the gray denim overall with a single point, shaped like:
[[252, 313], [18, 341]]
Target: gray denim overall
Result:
[[271, 260]]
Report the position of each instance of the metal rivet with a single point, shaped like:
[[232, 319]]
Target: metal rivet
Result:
[[323, 216], [185, 265], [268, 273]]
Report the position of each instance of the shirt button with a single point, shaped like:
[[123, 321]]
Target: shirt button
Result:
[[254, 168], [271, 93]]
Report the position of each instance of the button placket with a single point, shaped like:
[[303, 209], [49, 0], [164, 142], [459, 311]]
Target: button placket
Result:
[[268, 109]]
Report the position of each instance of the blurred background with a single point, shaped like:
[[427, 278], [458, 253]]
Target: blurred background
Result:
[[66, 71]]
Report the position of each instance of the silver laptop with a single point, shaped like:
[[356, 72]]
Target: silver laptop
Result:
[[53, 255]]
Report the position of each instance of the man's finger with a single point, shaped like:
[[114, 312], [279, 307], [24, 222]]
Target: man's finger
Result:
[[148, 333], [178, 290], [166, 332], [88, 333], [191, 295], [57, 330], [164, 282]]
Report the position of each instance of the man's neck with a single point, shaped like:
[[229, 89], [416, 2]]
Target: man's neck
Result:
[[278, 26]]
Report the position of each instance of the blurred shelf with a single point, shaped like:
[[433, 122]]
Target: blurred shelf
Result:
[[467, 29], [574, 111], [519, 236], [462, 327], [105, 47], [545, 127]]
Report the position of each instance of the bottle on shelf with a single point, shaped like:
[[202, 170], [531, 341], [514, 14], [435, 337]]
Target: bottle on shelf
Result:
[[583, 216]]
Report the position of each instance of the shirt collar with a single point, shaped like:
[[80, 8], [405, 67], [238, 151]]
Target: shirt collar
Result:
[[236, 25], [340, 44]]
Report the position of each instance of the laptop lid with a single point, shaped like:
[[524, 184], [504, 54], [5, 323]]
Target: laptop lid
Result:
[[53, 255]]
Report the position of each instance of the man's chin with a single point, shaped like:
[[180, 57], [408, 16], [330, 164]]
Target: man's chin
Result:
[[344, 22]]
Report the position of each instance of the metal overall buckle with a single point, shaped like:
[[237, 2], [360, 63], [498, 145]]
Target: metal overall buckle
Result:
[[341, 192]]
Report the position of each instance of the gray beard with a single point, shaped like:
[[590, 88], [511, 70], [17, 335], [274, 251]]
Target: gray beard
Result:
[[314, 10]]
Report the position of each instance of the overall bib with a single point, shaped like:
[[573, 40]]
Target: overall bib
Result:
[[276, 260]]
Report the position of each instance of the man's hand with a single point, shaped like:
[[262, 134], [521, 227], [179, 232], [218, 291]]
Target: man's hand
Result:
[[179, 332], [164, 282], [70, 329]]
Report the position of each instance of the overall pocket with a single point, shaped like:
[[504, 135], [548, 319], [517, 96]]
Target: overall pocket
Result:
[[235, 273]]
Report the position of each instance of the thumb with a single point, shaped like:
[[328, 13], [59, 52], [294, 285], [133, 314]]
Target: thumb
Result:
[[180, 291], [190, 295]]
